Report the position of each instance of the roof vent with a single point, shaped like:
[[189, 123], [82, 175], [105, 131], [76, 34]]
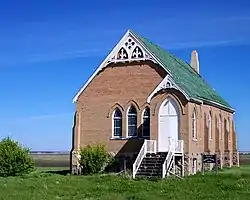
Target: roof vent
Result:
[[195, 61]]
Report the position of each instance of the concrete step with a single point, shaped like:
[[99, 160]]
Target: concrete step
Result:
[[148, 174], [151, 165], [145, 160], [150, 170]]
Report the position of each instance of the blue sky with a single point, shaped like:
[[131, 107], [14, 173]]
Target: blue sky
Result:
[[49, 49]]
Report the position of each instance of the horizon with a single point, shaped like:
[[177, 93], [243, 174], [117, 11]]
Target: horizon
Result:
[[49, 50]]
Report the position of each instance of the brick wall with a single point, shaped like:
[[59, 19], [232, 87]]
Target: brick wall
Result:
[[125, 85]]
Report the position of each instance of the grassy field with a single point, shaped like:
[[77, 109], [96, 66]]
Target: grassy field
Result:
[[51, 160], [62, 160], [52, 181], [229, 184]]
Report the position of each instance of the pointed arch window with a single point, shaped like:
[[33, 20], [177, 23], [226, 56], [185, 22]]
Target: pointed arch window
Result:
[[194, 125], [220, 127], [132, 122], [146, 123], [210, 125], [117, 123], [228, 128]]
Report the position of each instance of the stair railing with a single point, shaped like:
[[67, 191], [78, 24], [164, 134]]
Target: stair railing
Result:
[[169, 157], [178, 146], [149, 146]]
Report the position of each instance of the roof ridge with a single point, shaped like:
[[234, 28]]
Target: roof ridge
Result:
[[178, 67]]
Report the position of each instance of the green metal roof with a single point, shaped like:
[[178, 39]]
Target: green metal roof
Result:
[[184, 75]]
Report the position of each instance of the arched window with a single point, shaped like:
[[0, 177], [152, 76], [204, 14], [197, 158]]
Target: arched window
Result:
[[227, 125], [194, 129], [132, 122], [146, 123], [219, 127], [210, 125], [117, 123], [228, 128]]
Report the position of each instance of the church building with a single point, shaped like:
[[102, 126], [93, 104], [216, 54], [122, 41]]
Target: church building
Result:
[[146, 105]]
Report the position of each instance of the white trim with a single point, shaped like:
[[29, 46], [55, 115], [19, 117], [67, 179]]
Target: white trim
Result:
[[194, 166], [227, 125], [98, 69], [142, 117], [148, 56], [110, 58], [194, 129], [228, 129], [166, 83], [169, 99], [210, 125], [220, 126], [219, 105], [113, 136], [127, 136]]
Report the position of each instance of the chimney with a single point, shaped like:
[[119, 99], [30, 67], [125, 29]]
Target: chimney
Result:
[[195, 61]]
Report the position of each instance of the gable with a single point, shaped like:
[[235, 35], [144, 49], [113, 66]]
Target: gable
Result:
[[133, 48], [128, 49], [186, 77]]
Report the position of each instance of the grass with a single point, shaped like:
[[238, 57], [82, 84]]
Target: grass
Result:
[[229, 184], [51, 181]]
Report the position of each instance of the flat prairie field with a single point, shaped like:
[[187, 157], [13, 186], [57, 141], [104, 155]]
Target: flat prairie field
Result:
[[229, 184], [51, 160]]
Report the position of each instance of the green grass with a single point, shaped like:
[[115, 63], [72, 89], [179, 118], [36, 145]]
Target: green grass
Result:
[[229, 184]]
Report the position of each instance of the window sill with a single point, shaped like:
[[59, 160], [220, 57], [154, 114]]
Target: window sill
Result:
[[128, 138]]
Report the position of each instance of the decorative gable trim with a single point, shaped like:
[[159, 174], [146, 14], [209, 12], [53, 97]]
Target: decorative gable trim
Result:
[[128, 49], [166, 83]]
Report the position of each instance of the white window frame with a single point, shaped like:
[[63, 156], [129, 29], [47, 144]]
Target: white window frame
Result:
[[194, 125], [194, 166], [142, 120], [220, 126], [210, 125], [127, 125], [228, 129], [113, 124]]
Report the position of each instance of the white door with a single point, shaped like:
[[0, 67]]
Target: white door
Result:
[[168, 124], [163, 138]]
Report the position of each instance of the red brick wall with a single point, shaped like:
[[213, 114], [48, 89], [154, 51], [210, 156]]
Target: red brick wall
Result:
[[120, 85]]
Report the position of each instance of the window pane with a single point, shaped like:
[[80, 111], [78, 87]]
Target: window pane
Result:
[[117, 114], [132, 110], [118, 123], [146, 123], [145, 131], [117, 131], [132, 122], [132, 131]]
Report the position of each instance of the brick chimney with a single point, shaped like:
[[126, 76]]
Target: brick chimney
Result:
[[195, 61]]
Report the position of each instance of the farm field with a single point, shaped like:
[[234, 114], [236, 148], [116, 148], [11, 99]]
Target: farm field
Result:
[[51, 160], [52, 183], [229, 184], [61, 161]]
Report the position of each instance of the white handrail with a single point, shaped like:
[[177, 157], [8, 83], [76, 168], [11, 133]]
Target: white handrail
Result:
[[168, 159], [178, 146], [149, 146]]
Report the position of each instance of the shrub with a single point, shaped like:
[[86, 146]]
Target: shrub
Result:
[[94, 158], [14, 159]]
